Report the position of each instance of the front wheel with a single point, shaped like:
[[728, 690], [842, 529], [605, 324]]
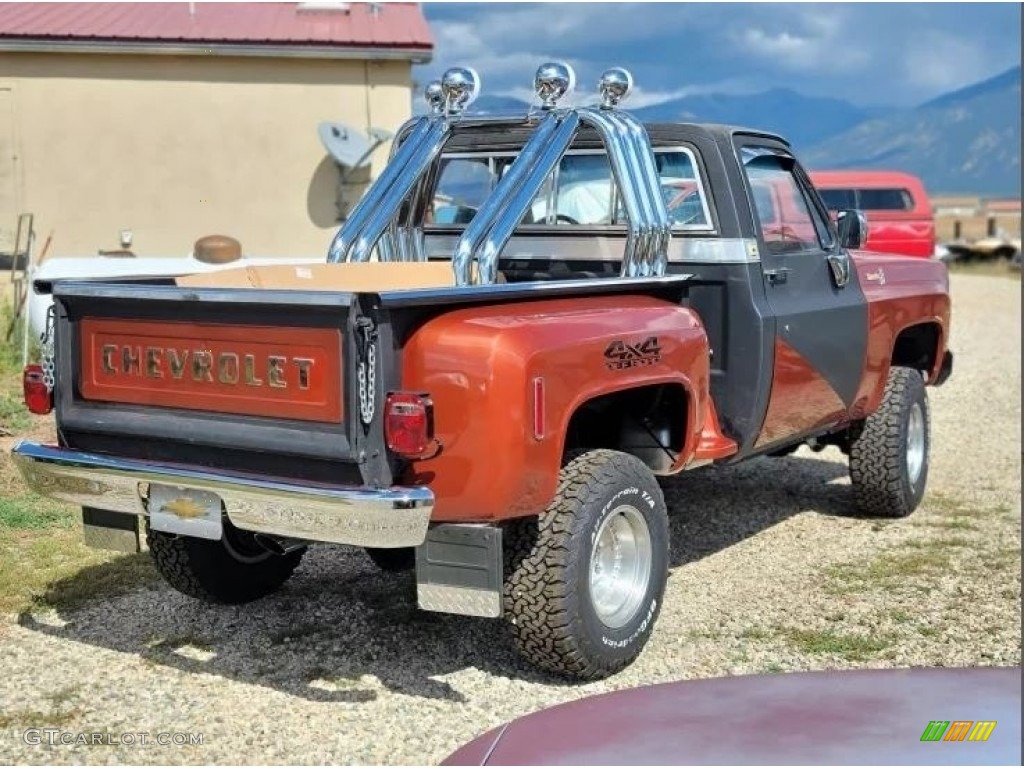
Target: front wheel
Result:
[[584, 582], [889, 458]]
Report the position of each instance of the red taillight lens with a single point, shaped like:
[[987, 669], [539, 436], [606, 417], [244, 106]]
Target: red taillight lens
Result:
[[408, 423], [38, 398]]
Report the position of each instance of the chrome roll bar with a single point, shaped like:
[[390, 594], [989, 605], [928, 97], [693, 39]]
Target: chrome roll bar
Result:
[[521, 199], [380, 221], [415, 131], [493, 207]]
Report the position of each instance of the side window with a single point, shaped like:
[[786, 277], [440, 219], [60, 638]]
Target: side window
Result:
[[838, 199], [787, 222], [886, 200]]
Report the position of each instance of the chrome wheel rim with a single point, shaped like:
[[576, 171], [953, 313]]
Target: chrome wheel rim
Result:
[[620, 566], [915, 443]]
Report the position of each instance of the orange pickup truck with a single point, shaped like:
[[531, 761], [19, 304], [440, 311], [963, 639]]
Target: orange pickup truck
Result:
[[525, 322]]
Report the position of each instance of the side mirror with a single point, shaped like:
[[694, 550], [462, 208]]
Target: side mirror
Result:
[[853, 229]]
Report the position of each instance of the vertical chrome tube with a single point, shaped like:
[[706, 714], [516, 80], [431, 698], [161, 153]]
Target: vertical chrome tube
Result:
[[627, 134], [386, 209], [660, 219], [349, 231], [478, 228], [521, 199], [622, 172]]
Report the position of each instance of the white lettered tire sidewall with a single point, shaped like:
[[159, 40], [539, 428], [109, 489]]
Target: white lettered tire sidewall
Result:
[[626, 642]]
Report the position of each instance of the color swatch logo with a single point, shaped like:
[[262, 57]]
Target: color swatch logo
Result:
[[958, 730]]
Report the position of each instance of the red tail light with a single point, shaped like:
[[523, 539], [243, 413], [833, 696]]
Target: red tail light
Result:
[[38, 398], [408, 423]]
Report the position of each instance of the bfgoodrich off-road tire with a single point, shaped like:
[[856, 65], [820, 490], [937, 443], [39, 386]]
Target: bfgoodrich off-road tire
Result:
[[393, 560], [566, 618], [889, 459], [211, 571]]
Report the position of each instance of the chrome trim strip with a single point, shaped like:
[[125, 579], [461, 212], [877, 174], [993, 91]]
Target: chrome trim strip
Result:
[[600, 246], [366, 517]]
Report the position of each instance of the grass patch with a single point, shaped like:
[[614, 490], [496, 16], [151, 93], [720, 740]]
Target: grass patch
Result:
[[32, 512], [755, 633], [57, 718], [14, 416], [848, 646], [886, 569], [959, 523], [44, 563], [937, 545]]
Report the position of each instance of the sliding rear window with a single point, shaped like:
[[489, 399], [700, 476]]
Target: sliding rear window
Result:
[[581, 192]]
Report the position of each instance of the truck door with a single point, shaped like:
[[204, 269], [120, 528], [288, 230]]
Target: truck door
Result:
[[820, 320]]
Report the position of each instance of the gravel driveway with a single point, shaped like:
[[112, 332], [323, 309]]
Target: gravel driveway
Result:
[[769, 574]]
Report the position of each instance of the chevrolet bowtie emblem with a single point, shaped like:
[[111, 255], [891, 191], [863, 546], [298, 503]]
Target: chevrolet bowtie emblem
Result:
[[183, 507]]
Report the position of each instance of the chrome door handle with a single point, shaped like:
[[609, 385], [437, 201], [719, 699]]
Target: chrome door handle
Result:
[[777, 276]]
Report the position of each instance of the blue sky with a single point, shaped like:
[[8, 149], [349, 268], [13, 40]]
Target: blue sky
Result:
[[869, 54]]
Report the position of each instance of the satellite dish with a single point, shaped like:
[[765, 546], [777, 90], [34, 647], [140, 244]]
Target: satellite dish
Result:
[[349, 147]]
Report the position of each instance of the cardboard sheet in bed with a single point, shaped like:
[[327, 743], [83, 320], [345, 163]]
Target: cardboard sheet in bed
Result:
[[370, 276]]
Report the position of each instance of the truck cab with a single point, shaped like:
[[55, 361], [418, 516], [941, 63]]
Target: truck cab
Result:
[[524, 323]]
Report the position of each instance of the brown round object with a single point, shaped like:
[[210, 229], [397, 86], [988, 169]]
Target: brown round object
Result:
[[217, 249]]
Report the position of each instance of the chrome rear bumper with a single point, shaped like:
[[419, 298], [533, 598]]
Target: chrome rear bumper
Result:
[[366, 517]]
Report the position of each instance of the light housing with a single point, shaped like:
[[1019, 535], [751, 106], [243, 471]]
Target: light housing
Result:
[[409, 423], [38, 397]]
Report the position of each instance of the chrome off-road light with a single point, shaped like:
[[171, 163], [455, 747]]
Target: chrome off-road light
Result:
[[459, 87], [553, 81], [614, 85]]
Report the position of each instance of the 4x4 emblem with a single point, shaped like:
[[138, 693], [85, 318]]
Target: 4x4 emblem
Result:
[[619, 355]]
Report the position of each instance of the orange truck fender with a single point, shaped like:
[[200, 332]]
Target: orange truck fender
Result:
[[505, 380]]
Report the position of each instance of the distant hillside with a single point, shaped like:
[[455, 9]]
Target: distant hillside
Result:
[[804, 120], [967, 141]]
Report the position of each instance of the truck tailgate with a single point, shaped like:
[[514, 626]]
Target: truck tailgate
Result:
[[143, 368]]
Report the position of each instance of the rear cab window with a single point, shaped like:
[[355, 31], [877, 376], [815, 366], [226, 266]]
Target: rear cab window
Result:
[[581, 192]]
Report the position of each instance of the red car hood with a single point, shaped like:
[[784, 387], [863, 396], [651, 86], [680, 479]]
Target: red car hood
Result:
[[866, 717]]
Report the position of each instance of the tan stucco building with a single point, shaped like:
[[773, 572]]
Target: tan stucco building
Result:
[[177, 120]]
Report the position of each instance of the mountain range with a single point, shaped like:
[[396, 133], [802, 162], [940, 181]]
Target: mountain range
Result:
[[963, 142]]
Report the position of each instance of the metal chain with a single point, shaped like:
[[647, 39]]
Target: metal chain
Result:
[[368, 384], [46, 339]]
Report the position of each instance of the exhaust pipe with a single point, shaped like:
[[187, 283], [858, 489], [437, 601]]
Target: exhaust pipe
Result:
[[278, 545]]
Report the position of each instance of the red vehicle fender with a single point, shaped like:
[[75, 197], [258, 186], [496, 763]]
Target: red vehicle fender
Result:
[[901, 293], [506, 379]]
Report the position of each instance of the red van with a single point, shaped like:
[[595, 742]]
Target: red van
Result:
[[899, 214]]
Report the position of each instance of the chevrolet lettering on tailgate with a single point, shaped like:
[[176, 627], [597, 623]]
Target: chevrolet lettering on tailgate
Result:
[[253, 371]]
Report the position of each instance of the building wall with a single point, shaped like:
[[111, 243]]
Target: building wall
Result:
[[177, 147], [966, 219]]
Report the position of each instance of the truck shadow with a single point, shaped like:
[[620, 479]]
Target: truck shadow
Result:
[[341, 631]]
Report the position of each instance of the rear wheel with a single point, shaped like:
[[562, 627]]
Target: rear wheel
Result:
[[889, 458], [393, 560], [584, 582], [234, 570]]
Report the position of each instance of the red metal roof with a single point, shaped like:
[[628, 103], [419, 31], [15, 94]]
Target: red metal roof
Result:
[[360, 25]]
